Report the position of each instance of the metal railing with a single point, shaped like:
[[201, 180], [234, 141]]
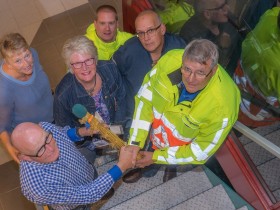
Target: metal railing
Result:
[[260, 140]]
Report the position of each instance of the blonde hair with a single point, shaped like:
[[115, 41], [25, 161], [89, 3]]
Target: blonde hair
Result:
[[11, 43]]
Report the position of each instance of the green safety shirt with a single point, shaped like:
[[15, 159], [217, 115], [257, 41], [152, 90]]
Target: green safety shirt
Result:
[[106, 50]]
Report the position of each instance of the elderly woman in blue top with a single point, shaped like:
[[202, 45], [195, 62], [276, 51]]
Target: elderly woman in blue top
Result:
[[25, 93], [97, 85], [54, 173]]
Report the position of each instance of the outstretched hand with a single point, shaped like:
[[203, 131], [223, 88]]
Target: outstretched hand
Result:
[[146, 160], [125, 157], [135, 150]]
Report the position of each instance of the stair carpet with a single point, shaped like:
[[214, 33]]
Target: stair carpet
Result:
[[267, 164], [191, 189]]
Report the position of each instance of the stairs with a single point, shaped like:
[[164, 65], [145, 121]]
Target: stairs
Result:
[[267, 164], [193, 188]]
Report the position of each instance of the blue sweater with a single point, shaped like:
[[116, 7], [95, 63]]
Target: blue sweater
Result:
[[22, 101]]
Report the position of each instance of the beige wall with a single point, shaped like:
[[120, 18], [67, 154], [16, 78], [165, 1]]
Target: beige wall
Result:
[[25, 17]]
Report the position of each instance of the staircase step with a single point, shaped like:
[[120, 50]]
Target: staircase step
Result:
[[270, 172], [243, 208], [215, 198], [152, 193], [267, 164]]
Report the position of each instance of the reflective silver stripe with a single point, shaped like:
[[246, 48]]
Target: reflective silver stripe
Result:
[[157, 130], [145, 92], [203, 155], [157, 142], [141, 124], [157, 115], [199, 154], [137, 117], [153, 72], [164, 137], [171, 159], [217, 137], [172, 127]]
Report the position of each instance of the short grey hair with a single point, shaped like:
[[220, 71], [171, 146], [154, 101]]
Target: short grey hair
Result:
[[78, 44], [201, 50]]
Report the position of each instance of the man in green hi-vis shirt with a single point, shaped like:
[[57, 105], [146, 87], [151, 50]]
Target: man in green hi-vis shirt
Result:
[[104, 32]]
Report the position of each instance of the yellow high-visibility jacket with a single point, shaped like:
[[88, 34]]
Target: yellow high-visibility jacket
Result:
[[260, 55], [199, 126]]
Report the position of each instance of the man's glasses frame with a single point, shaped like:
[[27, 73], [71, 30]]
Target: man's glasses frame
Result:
[[87, 62], [149, 32], [42, 149], [198, 75]]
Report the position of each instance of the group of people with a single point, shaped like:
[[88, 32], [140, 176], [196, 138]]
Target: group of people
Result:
[[174, 100]]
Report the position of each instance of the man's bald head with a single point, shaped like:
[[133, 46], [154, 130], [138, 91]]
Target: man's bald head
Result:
[[34, 143], [151, 14], [26, 136]]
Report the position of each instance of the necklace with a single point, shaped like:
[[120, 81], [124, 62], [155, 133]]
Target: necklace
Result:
[[91, 90]]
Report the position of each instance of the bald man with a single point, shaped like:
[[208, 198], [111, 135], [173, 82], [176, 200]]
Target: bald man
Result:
[[139, 54], [136, 57], [211, 22], [54, 173]]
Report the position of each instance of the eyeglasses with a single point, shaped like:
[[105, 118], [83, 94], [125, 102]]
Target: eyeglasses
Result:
[[87, 62], [149, 32], [197, 74], [42, 149], [220, 7]]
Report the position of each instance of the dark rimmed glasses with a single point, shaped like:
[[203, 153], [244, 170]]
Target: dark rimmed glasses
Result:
[[197, 74], [149, 32], [87, 62], [42, 149]]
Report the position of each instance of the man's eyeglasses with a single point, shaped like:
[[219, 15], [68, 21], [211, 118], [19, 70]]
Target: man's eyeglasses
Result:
[[42, 149], [149, 32], [220, 7], [87, 62], [197, 74]]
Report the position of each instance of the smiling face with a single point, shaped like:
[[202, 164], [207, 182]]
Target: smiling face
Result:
[[153, 31], [106, 25], [86, 73], [20, 62], [196, 76], [29, 138]]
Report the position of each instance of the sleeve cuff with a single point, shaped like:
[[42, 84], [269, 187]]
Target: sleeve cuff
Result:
[[73, 135], [115, 172]]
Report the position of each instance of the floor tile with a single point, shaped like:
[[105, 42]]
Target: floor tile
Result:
[[14, 200], [9, 177]]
